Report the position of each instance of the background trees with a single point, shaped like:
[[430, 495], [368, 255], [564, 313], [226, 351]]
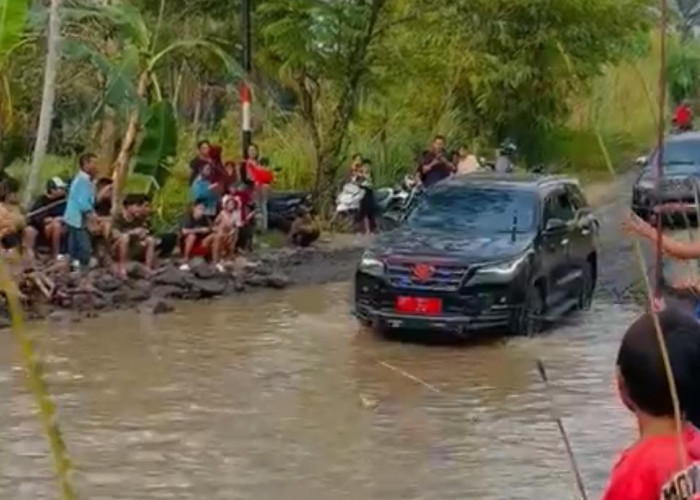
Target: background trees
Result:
[[332, 77]]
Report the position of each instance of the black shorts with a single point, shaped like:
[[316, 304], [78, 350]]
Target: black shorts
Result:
[[11, 241]]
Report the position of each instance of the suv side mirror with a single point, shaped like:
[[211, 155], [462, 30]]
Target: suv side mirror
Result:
[[584, 212], [554, 226], [641, 161]]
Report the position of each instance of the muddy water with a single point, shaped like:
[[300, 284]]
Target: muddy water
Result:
[[276, 396]]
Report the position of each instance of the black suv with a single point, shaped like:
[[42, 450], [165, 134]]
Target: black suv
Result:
[[480, 252], [678, 193]]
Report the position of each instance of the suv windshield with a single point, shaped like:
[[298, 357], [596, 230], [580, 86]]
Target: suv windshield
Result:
[[680, 157], [476, 210]]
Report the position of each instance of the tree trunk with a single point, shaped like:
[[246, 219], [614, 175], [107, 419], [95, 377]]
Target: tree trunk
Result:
[[197, 109], [107, 142], [53, 57], [121, 165]]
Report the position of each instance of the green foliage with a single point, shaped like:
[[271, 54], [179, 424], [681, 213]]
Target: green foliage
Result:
[[13, 17], [683, 68], [158, 148]]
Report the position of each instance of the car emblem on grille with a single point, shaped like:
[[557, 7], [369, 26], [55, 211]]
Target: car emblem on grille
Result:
[[423, 272]]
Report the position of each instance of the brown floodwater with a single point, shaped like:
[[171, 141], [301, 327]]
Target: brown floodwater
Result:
[[270, 396]]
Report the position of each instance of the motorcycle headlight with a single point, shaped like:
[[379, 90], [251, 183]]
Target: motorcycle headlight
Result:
[[507, 268], [372, 265]]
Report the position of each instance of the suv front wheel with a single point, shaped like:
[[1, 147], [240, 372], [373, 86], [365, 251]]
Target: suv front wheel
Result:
[[528, 321]]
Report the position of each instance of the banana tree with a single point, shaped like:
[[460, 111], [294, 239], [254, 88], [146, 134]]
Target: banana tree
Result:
[[13, 19], [133, 87]]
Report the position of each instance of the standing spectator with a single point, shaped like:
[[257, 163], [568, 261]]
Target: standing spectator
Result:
[[46, 220], [262, 178], [467, 163], [356, 166], [434, 166], [367, 213], [683, 116], [202, 158], [206, 191], [80, 209]]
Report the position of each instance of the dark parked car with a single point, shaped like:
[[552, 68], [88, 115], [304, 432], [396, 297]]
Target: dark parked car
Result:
[[479, 252], [679, 185]]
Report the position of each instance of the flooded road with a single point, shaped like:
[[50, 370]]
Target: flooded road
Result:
[[277, 396]]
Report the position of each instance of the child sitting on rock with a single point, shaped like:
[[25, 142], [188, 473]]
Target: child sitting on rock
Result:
[[304, 230], [227, 224]]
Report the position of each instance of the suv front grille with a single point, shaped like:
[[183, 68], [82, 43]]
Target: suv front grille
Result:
[[443, 277]]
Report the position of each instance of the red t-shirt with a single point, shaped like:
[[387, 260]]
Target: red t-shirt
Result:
[[258, 174], [683, 115], [650, 470]]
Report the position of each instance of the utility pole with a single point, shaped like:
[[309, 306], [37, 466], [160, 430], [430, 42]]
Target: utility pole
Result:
[[247, 66]]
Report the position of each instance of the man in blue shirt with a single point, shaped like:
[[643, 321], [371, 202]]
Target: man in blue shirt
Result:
[[79, 209], [206, 191]]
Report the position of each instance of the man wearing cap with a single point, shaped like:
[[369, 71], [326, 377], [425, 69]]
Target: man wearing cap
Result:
[[45, 226]]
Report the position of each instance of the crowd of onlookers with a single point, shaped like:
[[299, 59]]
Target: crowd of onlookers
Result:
[[75, 221]]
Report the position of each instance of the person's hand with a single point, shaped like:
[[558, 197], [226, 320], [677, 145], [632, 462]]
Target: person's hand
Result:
[[633, 225], [691, 285]]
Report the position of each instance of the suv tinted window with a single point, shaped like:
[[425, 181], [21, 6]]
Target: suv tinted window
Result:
[[557, 205], [578, 200], [476, 209]]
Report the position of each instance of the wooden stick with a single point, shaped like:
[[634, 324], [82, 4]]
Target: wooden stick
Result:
[[569, 450]]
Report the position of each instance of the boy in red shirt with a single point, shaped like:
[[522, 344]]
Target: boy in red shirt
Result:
[[659, 466]]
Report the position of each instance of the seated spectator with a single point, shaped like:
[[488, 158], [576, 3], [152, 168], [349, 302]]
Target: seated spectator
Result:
[[226, 226], [131, 236], [245, 192], [197, 234], [12, 221], [202, 158], [102, 222], [206, 191], [304, 230], [45, 226], [230, 178]]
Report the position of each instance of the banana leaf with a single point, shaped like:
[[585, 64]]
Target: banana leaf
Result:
[[156, 153], [13, 17], [120, 90]]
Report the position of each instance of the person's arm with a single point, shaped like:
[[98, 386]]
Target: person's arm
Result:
[[673, 248], [85, 198]]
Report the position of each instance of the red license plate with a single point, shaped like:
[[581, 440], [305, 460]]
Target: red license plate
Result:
[[419, 305]]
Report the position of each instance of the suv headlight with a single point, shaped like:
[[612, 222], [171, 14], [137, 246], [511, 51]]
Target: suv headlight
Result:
[[646, 184], [372, 265], [507, 268]]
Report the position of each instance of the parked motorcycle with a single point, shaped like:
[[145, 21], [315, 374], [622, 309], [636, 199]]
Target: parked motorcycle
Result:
[[284, 206], [390, 203]]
